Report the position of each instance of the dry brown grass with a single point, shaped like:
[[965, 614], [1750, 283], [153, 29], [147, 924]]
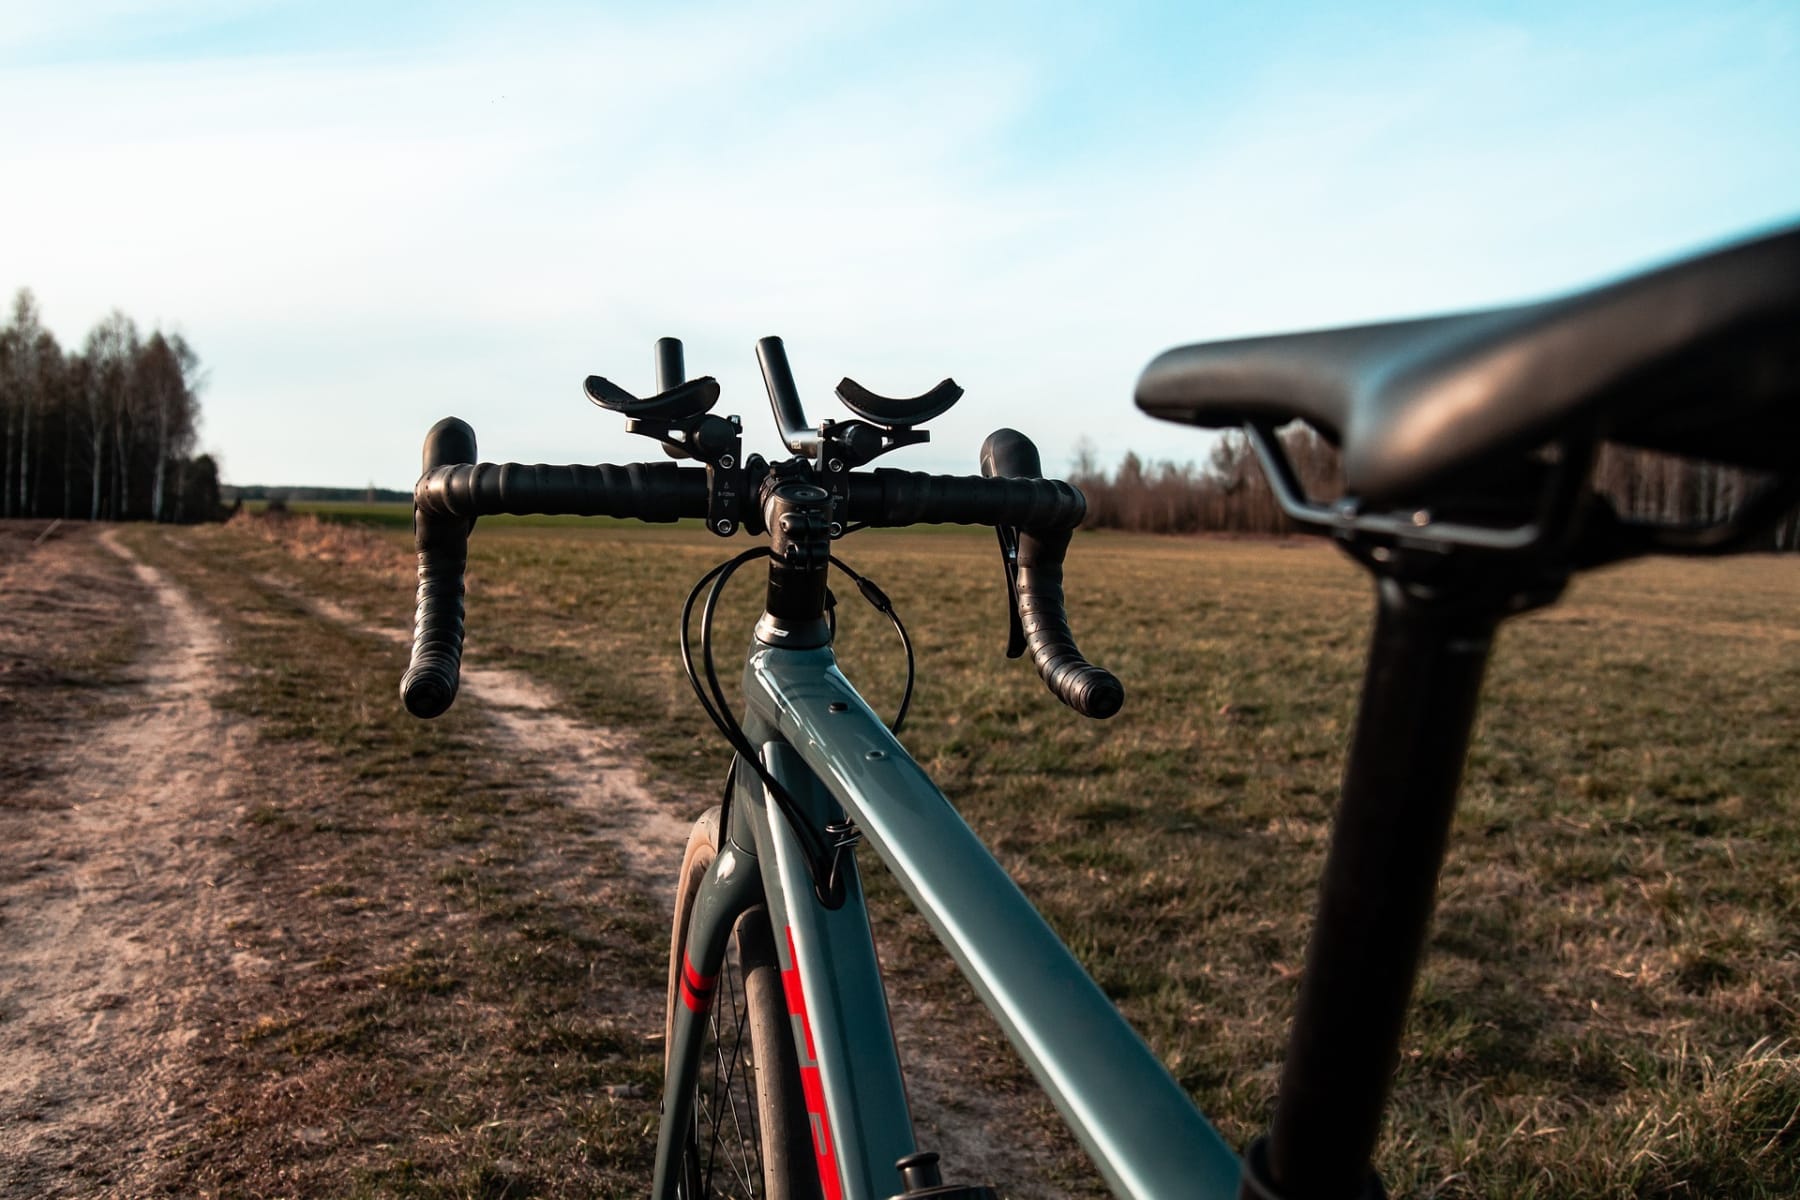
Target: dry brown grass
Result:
[[311, 538], [1609, 1005], [456, 963]]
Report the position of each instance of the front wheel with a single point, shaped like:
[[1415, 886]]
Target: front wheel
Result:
[[750, 1138]]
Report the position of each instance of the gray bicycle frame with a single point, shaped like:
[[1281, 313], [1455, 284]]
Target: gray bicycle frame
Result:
[[836, 757]]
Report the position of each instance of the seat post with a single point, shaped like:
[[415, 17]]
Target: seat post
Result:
[[1421, 685]]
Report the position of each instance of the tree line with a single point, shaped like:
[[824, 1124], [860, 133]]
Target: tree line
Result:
[[286, 494], [1229, 493], [106, 433]]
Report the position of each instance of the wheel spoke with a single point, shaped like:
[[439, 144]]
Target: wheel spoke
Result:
[[742, 1159], [732, 1160]]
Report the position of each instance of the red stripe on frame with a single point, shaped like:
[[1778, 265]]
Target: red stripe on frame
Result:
[[810, 1083], [696, 989], [694, 979]]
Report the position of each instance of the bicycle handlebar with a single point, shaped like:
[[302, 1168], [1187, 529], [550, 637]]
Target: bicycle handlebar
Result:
[[653, 492], [1038, 592], [454, 490], [429, 685]]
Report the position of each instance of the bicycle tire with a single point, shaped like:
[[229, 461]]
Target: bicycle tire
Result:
[[750, 1137]]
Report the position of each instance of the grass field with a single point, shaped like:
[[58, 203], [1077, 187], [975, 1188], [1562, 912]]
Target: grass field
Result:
[[388, 515], [1609, 1007], [464, 964]]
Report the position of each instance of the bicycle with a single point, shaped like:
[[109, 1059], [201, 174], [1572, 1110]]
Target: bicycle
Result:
[[1461, 528]]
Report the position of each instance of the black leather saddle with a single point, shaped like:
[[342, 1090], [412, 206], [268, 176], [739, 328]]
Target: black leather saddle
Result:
[[1700, 357]]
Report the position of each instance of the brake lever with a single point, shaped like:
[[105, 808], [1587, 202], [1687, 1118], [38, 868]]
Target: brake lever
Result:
[[1009, 565]]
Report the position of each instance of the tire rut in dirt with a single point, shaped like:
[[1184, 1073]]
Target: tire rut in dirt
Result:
[[110, 916]]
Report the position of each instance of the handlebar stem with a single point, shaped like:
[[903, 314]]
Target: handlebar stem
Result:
[[798, 516]]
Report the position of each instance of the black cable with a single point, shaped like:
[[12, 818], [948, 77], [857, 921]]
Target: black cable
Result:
[[877, 598], [687, 664], [819, 853], [823, 853], [687, 654], [706, 655], [725, 799], [714, 705], [905, 695], [844, 835]]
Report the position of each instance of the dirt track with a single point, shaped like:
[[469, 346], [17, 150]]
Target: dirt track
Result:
[[111, 894], [589, 768]]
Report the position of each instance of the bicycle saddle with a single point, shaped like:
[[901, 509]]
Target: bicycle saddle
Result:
[[1701, 357]]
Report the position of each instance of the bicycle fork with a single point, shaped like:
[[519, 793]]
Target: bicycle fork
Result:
[[849, 1067], [729, 890]]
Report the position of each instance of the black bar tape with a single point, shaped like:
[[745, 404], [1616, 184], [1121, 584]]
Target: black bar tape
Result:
[[1010, 454], [888, 497], [1045, 512], [429, 686], [641, 491], [1043, 612], [455, 490], [1090, 690], [430, 683]]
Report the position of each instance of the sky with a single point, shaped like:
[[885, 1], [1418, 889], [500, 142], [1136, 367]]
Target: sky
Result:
[[365, 217]]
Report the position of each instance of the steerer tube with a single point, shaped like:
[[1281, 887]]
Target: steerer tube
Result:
[[1418, 704]]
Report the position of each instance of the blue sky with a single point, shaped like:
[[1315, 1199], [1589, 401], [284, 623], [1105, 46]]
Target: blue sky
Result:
[[367, 216]]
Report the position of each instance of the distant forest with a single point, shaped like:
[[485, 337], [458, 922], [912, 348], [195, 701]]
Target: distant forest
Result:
[[284, 493], [1228, 493], [103, 433]]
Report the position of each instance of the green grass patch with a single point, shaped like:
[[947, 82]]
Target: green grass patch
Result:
[[399, 515]]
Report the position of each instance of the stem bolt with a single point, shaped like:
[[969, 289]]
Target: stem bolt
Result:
[[723, 527], [727, 461]]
